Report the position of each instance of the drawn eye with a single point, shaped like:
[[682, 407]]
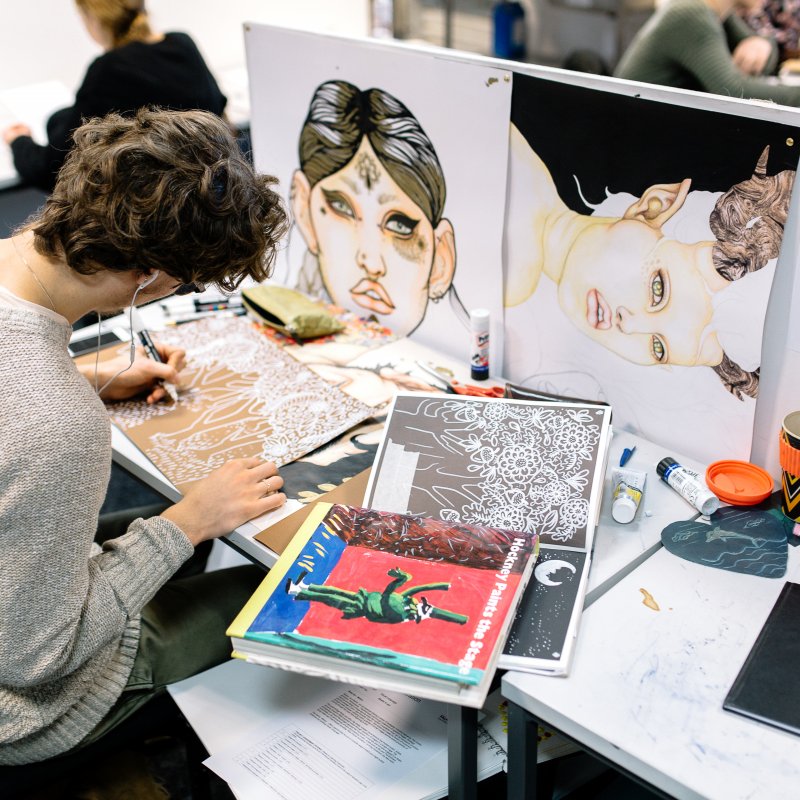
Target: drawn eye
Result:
[[659, 349], [339, 204], [401, 224], [657, 289]]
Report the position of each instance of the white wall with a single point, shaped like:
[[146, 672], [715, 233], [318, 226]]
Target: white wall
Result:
[[44, 39]]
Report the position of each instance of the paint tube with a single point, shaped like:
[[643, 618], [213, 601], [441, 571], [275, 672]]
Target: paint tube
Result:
[[628, 486], [688, 484]]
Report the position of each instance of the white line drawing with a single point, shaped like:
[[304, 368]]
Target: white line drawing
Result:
[[516, 466], [240, 396]]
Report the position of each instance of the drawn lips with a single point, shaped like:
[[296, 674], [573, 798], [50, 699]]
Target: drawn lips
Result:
[[598, 311], [372, 296]]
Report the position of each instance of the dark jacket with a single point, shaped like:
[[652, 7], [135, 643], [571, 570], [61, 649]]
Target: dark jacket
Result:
[[170, 74]]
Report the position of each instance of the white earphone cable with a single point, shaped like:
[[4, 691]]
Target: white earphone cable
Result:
[[133, 338]]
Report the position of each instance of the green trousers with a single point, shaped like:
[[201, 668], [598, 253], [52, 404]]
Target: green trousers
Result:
[[183, 633]]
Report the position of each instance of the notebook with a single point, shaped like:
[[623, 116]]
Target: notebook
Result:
[[767, 687]]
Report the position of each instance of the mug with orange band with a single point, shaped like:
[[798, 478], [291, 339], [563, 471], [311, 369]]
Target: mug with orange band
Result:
[[789, 450]]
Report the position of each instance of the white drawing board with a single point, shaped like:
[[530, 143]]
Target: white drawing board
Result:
[[360, 242]]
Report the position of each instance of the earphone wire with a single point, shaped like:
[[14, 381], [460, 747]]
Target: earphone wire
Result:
[[98, 392]]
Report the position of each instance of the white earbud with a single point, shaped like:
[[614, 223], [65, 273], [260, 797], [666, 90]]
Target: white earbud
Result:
[[142, 284], [148, 281]]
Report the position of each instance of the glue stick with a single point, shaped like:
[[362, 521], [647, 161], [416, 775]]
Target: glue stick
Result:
[[688, 484], [479, 346]]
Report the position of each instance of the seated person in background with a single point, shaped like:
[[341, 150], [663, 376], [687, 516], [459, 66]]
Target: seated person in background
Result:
[[143, 205], [779, 20], [138, 68], [684, 45]]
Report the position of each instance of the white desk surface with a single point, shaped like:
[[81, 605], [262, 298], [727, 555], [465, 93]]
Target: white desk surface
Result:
[[619, 548], [646, 687]]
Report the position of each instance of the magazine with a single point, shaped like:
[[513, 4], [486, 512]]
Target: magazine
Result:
[[394, 601]]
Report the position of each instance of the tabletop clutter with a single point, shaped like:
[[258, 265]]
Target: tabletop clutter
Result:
[[470, 548]]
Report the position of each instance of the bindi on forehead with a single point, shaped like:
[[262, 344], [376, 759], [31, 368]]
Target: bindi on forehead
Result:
[[368, 170]]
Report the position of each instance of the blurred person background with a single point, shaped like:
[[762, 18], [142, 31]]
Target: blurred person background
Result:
[[139, 67]]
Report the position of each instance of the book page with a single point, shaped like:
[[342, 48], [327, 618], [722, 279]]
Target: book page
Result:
[[357, 742], [517, 465]]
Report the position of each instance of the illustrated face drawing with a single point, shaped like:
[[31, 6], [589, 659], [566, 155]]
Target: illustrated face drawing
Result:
[[619, 280], [640, 295], [375, 245], [379, 252]]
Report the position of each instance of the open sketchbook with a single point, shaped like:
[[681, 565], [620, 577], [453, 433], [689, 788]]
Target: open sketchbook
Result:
[[236, 708], [520, 465], [393, 601], [240, 396]]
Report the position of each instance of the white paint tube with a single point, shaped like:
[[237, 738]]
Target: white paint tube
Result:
[[626, 494]]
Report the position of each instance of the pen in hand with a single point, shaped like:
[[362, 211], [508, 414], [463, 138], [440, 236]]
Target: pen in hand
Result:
[[152, 352]]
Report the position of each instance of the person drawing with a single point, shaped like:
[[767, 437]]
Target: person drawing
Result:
[[389, 606], [646, 297], [139, 67], [144, 206], [368, 200]]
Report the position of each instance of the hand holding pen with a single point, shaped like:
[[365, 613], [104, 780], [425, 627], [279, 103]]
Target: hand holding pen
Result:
[[152, 353], [169, 376], [145, 375]]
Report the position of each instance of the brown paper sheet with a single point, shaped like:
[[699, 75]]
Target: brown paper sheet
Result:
[[351, 493], [240, 396]]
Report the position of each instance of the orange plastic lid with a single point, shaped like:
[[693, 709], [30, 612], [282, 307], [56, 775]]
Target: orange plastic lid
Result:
[[739, 483]]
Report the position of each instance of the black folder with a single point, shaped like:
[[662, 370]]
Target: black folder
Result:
[[767, 687]]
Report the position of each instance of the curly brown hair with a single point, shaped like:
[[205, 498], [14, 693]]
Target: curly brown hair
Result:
[[162, 190], [748, 221]]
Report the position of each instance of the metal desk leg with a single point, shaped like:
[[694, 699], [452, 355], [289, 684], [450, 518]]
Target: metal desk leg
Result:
[[462, 752], [522, 753]]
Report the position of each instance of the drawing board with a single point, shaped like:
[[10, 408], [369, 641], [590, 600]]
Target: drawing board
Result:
[[641, 244], [393, 163]]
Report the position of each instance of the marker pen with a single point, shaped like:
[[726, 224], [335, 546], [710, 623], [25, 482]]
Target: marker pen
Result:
[[236, 312], [150, 349]]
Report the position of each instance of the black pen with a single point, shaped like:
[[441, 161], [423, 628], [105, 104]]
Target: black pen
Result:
[[150, 349]]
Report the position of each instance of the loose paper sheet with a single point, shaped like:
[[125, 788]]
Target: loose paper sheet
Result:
[[357, 743], [240, 396]]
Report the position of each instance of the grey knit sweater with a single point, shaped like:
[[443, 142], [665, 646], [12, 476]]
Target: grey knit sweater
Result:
[[684, 44], [69, 621]]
